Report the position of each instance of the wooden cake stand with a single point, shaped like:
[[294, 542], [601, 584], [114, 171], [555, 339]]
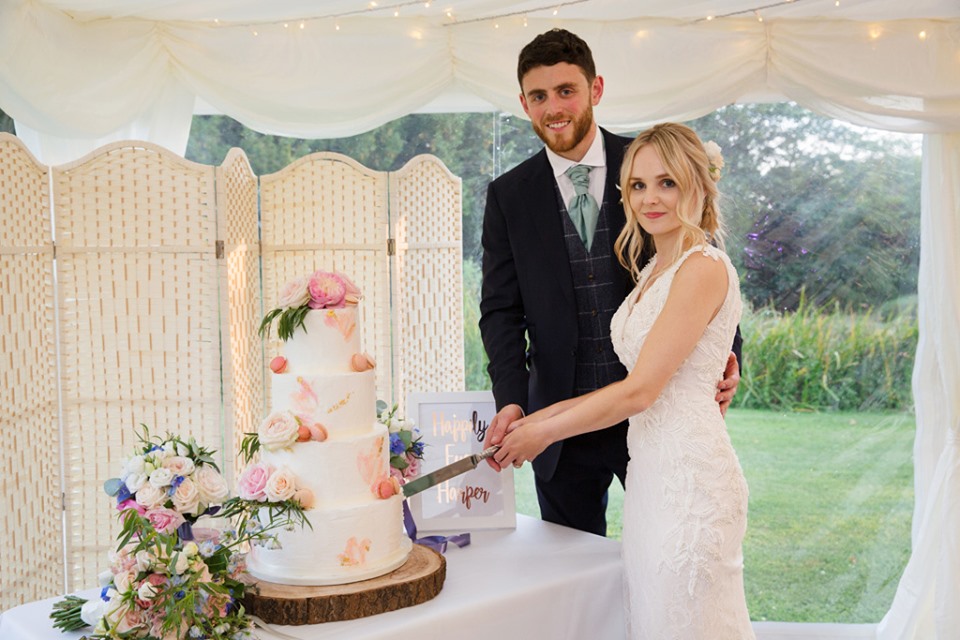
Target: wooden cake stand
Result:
[[417, 580]]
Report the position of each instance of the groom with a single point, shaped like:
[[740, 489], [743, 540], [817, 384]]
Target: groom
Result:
[[550, 277]]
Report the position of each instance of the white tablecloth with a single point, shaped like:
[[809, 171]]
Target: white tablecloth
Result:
[[538, 581]]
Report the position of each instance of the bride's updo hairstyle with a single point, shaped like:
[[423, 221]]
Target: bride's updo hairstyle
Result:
[[683, 156]]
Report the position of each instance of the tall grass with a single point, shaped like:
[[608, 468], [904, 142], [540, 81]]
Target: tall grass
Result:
[[837, 360]]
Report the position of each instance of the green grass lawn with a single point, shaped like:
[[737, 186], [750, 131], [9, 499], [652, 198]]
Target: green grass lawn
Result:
[[831, 501]]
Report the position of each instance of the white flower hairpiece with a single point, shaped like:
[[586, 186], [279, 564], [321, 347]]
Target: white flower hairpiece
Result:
[[715, 158]]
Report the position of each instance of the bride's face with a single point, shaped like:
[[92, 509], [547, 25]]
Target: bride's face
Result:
[[653, 193]]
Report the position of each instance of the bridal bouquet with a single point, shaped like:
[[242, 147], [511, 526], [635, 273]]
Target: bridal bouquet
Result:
[[170, 578]]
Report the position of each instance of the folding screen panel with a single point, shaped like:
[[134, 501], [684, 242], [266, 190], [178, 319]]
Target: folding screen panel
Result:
[[31, 559], [239, 236], [425, 214], [135, 228]]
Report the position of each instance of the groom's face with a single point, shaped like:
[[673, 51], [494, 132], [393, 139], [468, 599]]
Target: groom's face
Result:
[[559, 101]]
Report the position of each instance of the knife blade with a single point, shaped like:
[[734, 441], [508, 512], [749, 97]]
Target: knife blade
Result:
[[445, 473]]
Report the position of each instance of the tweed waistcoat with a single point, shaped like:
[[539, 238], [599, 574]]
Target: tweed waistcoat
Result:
[[593, 284]]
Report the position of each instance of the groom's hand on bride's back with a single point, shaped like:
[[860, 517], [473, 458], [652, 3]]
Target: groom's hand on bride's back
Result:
[[727, 388], [498, 429]]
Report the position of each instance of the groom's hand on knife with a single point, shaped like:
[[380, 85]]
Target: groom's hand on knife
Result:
[[498, 429]]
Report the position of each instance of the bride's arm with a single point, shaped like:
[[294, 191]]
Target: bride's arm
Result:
[[696, 294]]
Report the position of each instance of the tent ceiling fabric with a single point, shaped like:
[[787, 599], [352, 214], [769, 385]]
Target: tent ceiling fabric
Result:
[[91, 69], [260, 11]]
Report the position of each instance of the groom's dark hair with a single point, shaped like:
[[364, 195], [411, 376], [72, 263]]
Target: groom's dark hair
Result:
[[553, 47]]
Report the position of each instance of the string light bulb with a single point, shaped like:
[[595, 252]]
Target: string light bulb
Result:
[[922, 35], [759, 17]]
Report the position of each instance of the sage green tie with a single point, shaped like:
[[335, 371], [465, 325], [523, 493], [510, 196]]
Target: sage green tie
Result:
[[583, 208]]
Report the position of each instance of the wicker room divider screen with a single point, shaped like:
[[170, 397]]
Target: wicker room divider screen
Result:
[[132, 283]]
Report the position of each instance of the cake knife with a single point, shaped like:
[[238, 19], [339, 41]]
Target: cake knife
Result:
[[445, 473]]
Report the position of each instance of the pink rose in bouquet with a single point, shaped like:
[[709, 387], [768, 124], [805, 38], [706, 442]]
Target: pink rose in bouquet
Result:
[[165, 520], [413, 466], [327, 290], [253, 481]]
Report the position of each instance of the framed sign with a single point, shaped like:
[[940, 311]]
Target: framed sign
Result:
[[453, 426]]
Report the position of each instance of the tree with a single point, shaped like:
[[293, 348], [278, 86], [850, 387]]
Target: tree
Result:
[[815, 205]]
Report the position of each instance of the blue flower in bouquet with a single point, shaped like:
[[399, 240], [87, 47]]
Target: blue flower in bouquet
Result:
[[406, 444], [397, 446]]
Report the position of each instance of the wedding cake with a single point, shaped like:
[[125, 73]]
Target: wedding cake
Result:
[[323, 440]]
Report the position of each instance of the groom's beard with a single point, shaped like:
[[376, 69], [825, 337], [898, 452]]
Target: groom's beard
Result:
[[561, 144]]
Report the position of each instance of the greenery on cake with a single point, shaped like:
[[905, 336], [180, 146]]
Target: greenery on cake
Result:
[[320, 290]]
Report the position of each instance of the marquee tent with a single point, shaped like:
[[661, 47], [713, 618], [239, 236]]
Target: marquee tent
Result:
[[75, 74]]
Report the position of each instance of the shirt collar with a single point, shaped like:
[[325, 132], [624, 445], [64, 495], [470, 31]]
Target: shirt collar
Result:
[[595, 157]]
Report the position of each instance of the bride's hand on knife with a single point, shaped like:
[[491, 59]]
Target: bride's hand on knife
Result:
[[525, 440]]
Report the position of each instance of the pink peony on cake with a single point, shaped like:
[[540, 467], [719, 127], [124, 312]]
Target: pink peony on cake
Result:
[[323, 438]]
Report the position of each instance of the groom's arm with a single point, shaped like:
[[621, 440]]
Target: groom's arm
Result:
[[502, 315]]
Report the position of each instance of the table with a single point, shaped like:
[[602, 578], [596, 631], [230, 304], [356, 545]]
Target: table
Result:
[[540, 580]]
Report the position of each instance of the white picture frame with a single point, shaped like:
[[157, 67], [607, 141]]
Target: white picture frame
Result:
[[453, 425]]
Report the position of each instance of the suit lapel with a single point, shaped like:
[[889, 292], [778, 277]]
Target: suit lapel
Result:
[[540, 200]]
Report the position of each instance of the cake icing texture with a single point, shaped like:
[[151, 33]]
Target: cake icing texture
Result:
[[323, 432]]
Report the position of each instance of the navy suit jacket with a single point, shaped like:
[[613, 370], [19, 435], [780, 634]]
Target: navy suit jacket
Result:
[[527, 288]]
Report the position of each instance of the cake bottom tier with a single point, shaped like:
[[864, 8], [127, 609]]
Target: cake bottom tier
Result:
[[344, 545]]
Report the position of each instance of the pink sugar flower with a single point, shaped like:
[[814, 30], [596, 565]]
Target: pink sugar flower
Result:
[[327, 290]]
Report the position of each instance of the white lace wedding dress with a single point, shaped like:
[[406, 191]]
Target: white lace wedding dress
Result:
[[685, 505]]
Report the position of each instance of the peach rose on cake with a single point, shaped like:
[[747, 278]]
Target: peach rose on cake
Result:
[[278, 431], [294, 294], [280, 486]]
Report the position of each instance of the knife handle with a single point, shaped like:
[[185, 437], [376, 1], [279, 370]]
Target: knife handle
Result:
[[488, 452]]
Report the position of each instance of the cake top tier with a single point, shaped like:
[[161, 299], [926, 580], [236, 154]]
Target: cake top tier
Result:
[[319, 290]]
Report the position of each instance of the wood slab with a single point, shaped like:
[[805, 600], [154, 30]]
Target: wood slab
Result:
[[419, 579]]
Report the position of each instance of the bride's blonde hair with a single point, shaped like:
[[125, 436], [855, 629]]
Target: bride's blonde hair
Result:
[[683, 156]]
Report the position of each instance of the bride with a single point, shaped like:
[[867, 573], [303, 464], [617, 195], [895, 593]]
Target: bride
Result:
[[685, 504]]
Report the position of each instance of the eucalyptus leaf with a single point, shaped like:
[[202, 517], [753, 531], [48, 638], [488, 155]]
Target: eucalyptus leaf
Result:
[[113, 486]]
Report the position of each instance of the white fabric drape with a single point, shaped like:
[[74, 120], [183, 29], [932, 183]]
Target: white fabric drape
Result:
[[925, 605], [94, 80]]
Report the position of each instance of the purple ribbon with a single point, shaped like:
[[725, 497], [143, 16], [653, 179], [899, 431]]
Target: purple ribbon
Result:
[[437, 543]]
